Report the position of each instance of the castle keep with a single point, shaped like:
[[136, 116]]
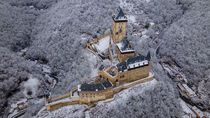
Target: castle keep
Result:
[[119, 22], [126, 70]]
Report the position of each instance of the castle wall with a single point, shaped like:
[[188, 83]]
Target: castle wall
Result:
[[58, 98], [134, 74], [87, 97], [128, 75], [118, 35], [106, 76], [53, 107], [122, 57]]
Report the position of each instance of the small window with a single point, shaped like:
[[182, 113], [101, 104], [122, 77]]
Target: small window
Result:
[[120, 31], [116, 33], [122, 76]]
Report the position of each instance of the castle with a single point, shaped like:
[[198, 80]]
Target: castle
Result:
[[127, 69]]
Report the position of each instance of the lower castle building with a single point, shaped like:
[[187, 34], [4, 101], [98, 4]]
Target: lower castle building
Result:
[[124, 50], [134, 68], [127, 71], [94, 92]]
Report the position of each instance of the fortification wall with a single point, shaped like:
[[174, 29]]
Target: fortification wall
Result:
[[52, 107], [58, 98]]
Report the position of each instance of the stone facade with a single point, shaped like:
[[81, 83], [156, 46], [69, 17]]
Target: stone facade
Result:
[[118, 30], [124, 56], [115, 74], [87, 97]]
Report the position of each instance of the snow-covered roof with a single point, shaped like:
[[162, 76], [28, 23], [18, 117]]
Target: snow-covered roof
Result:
[[180, 86], [103, 44], [122, 66], [198, 112], [185, 88], [138, 64], [119, 15], [125, 46], [139, 58], [191, 92], [134, 62], [78, 87]]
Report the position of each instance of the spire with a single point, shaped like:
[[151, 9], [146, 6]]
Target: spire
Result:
[[119, 15], [148, 57]]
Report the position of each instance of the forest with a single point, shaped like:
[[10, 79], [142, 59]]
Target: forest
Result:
[[54, 34]]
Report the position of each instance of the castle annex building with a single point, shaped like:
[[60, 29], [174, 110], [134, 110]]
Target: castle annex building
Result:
[[126, 70]]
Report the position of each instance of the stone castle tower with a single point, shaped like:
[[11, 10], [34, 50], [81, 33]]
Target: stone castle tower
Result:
[[119, 22]]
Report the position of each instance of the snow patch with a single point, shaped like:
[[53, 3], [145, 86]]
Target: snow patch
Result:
[[31, 87], [46, 69], [125, 94], [147, 1], [93, 61], [103, 44], [71, 111]]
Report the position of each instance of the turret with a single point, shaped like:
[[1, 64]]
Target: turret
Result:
[[119, 22]]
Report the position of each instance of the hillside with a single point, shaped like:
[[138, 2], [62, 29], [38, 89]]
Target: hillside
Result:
[[53, 34]]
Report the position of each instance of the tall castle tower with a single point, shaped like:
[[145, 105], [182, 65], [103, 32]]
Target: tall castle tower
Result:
[[119, 22]]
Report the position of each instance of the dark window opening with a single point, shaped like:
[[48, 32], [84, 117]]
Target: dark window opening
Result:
[[29, 93], [122, 76], [120, 31]]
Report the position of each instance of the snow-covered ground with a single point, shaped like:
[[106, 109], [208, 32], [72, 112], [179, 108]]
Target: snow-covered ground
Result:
[[62, 100], [187, 111], [71, 111], [124, 95], [31, 87], [14, 110], [93, 61]]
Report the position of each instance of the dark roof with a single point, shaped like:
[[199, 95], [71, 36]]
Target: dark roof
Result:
[[111, 73], [96, 87], [107, 84], [125, 45], [138, 58], [119, 15], [101, 67], [148, 57], [91, 87], [135, 59], [121, 66]]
